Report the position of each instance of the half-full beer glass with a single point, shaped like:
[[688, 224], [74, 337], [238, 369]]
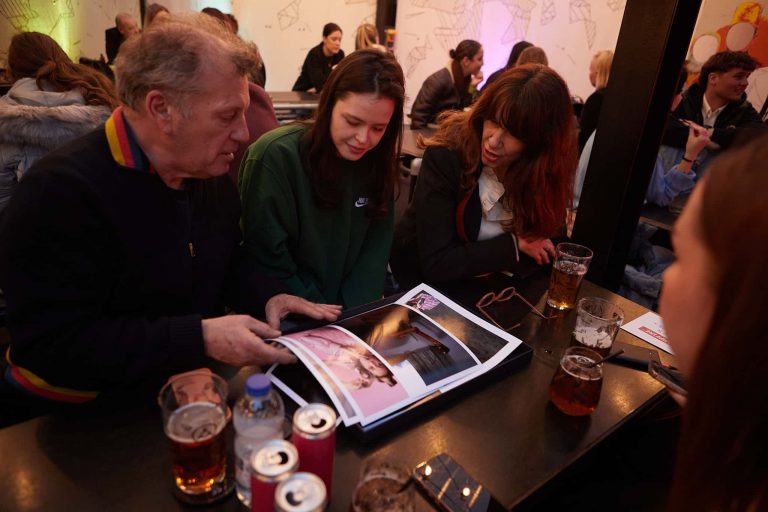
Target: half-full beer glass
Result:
[[194, 406], [576, 385], [571, 263]]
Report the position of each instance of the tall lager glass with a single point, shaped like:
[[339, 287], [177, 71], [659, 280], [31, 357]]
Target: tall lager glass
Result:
[[571, 263]]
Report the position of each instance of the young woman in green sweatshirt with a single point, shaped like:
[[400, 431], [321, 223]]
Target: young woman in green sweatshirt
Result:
[[318, 198]]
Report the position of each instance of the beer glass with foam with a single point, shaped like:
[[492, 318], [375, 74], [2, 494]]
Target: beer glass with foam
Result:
[[571, 263], [194, 407], [597, 324], [576, 385]]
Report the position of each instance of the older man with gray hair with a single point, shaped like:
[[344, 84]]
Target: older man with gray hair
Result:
[[120, 251]]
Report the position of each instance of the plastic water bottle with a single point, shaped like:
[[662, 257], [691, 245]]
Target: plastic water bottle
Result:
[[258, 417]]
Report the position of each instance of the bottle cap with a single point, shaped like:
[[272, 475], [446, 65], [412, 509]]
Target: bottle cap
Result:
[[258, 385]]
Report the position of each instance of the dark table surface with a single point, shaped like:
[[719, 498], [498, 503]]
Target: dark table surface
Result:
[[505, 433], [293, 99]]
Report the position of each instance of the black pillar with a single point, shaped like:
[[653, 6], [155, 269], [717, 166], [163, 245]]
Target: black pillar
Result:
[[653, 42]]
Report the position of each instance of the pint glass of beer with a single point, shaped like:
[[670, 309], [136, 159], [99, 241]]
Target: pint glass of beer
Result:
[[571, 263], [597, 323], [575, 388], [194, 406]]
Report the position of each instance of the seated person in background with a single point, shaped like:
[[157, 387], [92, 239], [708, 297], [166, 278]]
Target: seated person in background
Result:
[[318, 198], [257, 75], [517, 49], [367, 37], [126, 26], [451, 88], [320, 61], [495, 180], [52, 101], [717, 102], [599, 72], [532, 55], [155, 12], [713, 306], [119, 251]]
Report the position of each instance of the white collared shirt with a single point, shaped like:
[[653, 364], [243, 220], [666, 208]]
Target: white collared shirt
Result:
[[709, 115], [491, 190]]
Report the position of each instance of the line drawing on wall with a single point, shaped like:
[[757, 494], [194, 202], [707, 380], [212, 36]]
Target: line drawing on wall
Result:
[[581, 10], [18, 13], [289, 14], [548, 12], [416, 55], [520, 13], [616, 5]]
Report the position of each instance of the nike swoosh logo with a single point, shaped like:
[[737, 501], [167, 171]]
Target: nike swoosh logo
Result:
[[362, 201]]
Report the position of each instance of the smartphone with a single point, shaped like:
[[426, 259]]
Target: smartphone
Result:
[[634, 356], [668, 376], [451, 488]]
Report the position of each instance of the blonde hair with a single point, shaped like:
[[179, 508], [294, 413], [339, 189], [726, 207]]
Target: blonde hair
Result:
[[170, 57], [366, 36], [601, 63]]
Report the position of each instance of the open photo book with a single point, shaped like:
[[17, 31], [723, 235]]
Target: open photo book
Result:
[[378, 362]]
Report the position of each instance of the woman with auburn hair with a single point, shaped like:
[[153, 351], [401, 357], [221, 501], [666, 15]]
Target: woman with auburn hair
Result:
[[599, 72], [318, 198], [452, 88], [495, 181], [52, 101], [713, 306]]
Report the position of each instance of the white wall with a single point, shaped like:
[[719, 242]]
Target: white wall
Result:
[[569, 31], [285, 30]]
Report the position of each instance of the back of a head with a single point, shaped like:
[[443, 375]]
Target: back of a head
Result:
[[467, 48], [171, 57], [366, 36], [601, 63], [29, 52], [532, 55], [516, 51], [151, 13], [728, 393], [723, 62]]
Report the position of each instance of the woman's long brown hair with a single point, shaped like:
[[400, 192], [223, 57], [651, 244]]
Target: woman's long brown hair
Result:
[[363, 71], [532, 103], [36, 55], [722, 460]]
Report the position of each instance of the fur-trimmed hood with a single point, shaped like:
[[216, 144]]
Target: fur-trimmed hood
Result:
[[47, 127]]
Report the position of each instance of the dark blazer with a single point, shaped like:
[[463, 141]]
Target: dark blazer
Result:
[[590, 114], [113, 39], [436, 240]]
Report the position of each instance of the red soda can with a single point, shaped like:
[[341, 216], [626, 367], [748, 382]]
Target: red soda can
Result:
[[314, 435], [274, 462], [301, 492]]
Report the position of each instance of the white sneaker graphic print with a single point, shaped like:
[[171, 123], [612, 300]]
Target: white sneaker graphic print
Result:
[[361, 201]]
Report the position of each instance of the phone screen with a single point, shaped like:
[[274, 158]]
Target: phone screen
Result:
[[451, 488], [670, 377]]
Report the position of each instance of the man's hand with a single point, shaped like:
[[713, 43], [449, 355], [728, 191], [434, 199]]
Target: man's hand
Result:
[[540, 250], [279, 306], [237, 340]]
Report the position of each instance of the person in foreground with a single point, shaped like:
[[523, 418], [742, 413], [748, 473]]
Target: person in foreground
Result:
[[496, 181], [318, 198], [713, 308], [453, 87], [120, 250]]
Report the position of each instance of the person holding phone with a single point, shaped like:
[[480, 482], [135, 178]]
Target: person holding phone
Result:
[[496, 181], [318, 198], [713, 306]]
